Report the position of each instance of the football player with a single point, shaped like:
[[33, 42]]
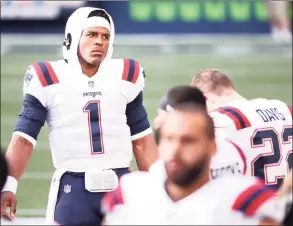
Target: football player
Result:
[[229, 158], [93, 105], [188, 196], [261, 127]]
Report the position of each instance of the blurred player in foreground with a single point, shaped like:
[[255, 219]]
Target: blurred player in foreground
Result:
[[261, 127], [229, 158], [286, 190], [4, 169], [188, 196], [94, 108]]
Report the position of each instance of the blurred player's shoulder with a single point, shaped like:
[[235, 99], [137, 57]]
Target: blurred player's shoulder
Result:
[[136, 178]]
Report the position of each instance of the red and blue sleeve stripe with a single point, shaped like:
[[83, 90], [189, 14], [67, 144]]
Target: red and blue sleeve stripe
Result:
[[239, 119], [45, 73], [112, 199], [131, 70], [250, 200]]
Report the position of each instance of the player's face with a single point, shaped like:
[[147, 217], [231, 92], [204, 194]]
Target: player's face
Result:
[[185, 147], [93, 45]]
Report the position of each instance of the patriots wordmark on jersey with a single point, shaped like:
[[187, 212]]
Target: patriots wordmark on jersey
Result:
[[263, 130], [237, 200]]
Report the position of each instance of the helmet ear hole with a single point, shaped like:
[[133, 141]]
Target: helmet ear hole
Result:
[[67, 41]]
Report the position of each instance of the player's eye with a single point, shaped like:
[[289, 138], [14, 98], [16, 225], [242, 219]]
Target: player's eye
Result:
[[106, 37], [91, 34]]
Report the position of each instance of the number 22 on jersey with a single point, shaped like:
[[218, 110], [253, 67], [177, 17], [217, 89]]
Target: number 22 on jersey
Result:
[[277, 159], [93, 110]]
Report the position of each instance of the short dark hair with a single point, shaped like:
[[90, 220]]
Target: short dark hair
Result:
[[183, 94], [3, 169], [99, 13], [197, 109]]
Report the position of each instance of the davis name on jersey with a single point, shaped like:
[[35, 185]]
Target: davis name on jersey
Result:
[[263, 129], [229, 200], [91, 120]]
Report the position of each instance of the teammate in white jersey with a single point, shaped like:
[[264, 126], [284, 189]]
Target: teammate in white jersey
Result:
[[261, 127], [229, 158], [93, 106], [188, 196]]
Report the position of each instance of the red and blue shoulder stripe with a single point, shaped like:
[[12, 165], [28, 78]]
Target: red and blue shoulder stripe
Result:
[[251, 199], [239, 119], [45, 73], [131, 70]]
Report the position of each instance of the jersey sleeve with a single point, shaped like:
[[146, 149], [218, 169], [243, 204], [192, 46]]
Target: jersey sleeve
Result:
[[134, 81], [257, 200], [33, 113], [224, 126], [133, 77]]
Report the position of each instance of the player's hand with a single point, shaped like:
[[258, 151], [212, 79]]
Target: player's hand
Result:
[[8, 199]]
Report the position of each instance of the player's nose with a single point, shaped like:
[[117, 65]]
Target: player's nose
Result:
[[175, 150], [99, 40]]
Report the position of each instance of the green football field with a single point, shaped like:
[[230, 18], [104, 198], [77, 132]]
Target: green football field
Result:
[[254, 76]]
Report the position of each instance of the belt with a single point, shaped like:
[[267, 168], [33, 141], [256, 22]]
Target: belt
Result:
[[81, 174]]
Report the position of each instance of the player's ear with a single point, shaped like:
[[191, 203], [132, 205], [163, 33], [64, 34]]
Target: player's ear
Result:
[[67, 41]]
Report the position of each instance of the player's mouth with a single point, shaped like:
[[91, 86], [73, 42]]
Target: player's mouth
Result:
[[97, 52], [174, 165]]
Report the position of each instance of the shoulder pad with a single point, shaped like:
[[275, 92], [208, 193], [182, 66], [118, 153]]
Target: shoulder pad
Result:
[[131, 70], [45, 73], [239, 119]]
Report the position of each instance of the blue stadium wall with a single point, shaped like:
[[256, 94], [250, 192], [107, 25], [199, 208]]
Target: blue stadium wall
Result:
[[158, 17]]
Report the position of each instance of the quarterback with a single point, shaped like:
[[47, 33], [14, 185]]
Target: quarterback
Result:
[[229, 158], [93, 105], [261, 127], [188, 196]]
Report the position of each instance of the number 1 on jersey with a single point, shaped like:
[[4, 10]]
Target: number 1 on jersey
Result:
[[92, 108]]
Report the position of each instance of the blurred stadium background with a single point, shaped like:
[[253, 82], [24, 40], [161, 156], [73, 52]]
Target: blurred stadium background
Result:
[[172, 40]]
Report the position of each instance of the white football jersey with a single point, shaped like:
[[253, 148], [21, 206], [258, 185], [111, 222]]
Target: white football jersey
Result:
[[263, 130], [229, 159], [86, 116], [237, 200]]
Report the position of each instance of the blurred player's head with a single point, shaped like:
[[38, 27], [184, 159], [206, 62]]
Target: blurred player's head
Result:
[[95, 38], [177, 95], [216, 86], [187, 143], [3, 170]]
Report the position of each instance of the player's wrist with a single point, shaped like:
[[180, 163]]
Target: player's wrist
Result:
[[10, 185]]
